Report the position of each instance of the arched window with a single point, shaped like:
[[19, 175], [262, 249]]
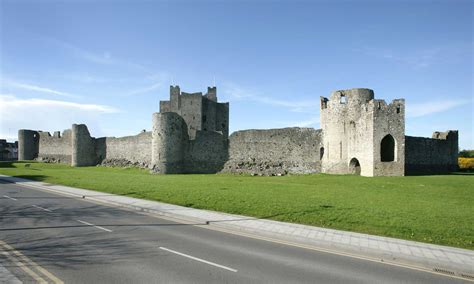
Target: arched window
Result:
[[321, 153], [387, 149]]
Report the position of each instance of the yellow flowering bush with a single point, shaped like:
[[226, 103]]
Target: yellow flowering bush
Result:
[[466, 164]]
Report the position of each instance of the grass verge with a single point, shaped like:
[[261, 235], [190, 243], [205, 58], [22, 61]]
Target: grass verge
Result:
[[433, 209]]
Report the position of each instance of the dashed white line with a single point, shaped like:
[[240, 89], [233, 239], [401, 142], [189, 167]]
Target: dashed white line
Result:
[[6, 196], [39, 207], [98, 227], [199, 259]]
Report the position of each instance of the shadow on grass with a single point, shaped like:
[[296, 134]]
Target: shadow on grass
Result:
[[26, 177], [4, 164], [460, 173], [10, 164]]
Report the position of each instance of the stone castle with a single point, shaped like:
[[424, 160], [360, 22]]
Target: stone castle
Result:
[[360, 135]]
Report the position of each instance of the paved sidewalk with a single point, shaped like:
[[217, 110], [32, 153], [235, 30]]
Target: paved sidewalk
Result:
[[442, 259]]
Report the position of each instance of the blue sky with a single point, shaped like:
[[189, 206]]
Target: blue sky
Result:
[[108, 63]]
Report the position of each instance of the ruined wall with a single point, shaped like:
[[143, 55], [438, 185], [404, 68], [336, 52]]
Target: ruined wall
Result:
[[432, 155], [83, 147], [222, 118], [207, 153], [389, 120], [275, 151], [354, 124], [28, 144], [56, 148], [133, 149], [191, 111]]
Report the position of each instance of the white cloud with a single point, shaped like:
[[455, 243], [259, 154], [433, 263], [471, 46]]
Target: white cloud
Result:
[[10, 102], [238, 93], [430, 107], [35, 88], [159, 80], [104, 58], [50, 115], [422, 57], [146, 89]]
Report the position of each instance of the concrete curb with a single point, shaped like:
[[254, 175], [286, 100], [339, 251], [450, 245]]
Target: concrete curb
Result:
[[433, 258]]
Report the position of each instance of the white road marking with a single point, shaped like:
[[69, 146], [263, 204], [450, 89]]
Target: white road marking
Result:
[[198, 259], [6, 196], [39, 207], [98, 227]]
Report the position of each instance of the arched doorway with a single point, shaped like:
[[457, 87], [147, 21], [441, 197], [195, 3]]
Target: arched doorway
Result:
[[387, 149], [354, 167]]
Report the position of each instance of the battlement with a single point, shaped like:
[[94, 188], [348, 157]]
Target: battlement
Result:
[[56, 134], [360, 99], [397, 106], [446, 135], [351, 97]]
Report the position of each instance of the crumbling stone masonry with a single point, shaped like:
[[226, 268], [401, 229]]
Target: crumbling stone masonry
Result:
[[359, 135], [362, 135]]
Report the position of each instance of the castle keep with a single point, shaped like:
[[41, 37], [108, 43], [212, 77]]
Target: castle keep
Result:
[[359, 135]]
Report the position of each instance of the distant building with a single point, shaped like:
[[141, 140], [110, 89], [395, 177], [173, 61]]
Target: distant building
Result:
[[8, 151]]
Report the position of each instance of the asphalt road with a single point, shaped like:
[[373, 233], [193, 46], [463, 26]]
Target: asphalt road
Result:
[[77, 241]]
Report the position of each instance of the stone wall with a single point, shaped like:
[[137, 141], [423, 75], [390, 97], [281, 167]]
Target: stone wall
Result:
[[83, 147], [431, 155], [354, 125], [348, 126], [389, 120], [56, 148], [275, 151], [131, 150], [207, 153]]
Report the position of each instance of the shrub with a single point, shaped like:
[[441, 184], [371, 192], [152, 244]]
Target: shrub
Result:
[[466, 164]]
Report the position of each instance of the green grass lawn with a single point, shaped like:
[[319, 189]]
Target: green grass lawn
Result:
[[433, 209]]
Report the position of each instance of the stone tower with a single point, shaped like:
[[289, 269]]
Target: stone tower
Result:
[[200, 112], [362, 135], [190, 133]]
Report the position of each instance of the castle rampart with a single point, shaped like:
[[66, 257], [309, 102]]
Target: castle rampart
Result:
[[56, 148], [359, 135], [136, 149], [432, 155], [275, 151]]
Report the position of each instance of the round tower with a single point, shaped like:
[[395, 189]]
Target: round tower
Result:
[[169, 141], [347, 126], [28, 144]]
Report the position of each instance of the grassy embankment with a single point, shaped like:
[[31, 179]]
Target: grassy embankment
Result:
[[433, 209]]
